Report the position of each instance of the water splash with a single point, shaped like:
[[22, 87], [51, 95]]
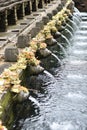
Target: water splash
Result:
[[48, 74], [79, 52], [34, 100], [59, 61], [74, 96], [76, 77]]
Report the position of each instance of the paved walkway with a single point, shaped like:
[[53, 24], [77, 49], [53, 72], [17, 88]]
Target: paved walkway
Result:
[[9, 38]]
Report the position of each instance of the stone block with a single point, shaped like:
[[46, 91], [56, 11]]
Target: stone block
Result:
[[71, 6], [40, 24], [11, 54], [23, 40], [50, 15], [60, 6], [54, 11], [34, 31], [45, 19]]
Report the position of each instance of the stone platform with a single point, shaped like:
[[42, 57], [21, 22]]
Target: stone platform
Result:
[[23, 26]]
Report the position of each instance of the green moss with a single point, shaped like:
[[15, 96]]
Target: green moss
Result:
[[6, 113]]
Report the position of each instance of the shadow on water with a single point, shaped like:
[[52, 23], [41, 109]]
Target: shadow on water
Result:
[[61, 100]]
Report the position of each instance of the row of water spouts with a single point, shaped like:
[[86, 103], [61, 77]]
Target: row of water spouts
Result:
[[71, 27]]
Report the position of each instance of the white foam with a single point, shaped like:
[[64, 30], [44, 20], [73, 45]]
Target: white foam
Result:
[[34, 100], [78, 95], [80, 51], [63, 126], [78, 62], [81, 43], [74, 76]]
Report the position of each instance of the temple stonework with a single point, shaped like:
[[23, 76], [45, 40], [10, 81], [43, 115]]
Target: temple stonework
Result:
[[81, 5]]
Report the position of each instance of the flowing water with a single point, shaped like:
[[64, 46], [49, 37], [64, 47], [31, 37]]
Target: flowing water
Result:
[[68, 31], [62, 99], [64, 38], [32, 99], [62, 48], [72, 23], [70, 28], [56, 57]]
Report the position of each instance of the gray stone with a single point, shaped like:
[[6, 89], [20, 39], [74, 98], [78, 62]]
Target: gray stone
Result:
[[11, 54], [22, 96], [44, 52], [34, 70], [63, 2], [71, 6], [50, 15], [23, 40], [60, 6], [34, 31], [54, 11], [45, 19], [40, 24]]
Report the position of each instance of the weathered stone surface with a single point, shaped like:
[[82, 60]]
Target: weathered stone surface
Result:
[[23, 40], [34, 70], [12, 16], [41, 4], [59, 7], [71, 6], [44, 52], [49, 41], [45, 19], [11, 54], [81, 5], [50, 15], [54, 11], [3, 21], [40, 24], [34, 31]]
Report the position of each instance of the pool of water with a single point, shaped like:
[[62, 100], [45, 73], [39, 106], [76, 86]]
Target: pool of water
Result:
[[62, 97]]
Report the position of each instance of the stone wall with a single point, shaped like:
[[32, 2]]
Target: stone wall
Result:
[[81, 5], [13, 10]]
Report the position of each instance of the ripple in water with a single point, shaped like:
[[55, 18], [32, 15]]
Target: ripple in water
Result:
[[34, 100], [73, 76], [81, 43], [75, 96], [78, 62], [80, 52], [64, 126]]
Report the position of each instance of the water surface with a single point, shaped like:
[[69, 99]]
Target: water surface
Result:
[[63, 97]]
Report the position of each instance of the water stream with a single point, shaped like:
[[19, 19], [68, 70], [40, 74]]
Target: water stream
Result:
[[68, 31], [62, 48], [56, 57], [64, 38], [72, 23], [70, 28], [32, 99], [63, 101]]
